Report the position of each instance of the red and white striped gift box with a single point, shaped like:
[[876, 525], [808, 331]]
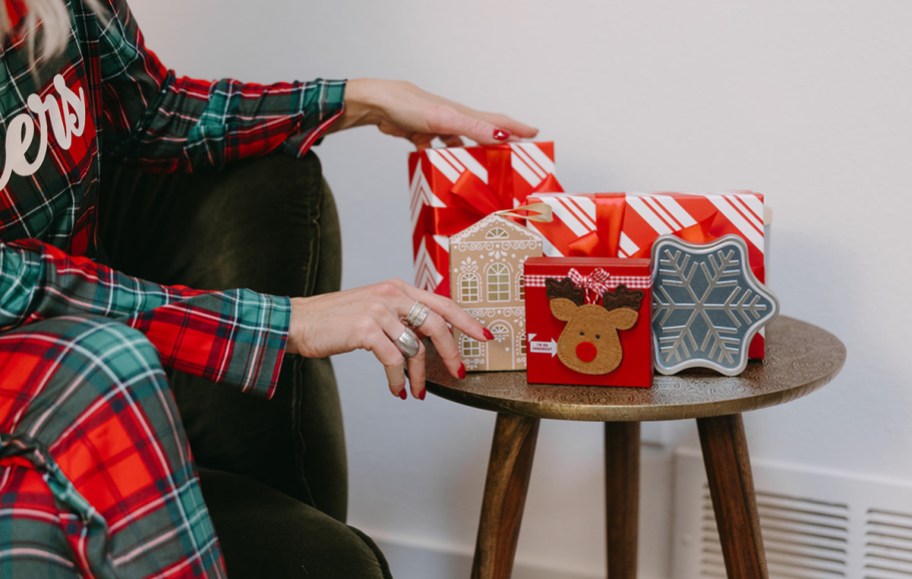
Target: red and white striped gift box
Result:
[[453, 188], [626, 225]]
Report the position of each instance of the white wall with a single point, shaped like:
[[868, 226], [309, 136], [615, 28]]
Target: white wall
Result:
[[808, 102]]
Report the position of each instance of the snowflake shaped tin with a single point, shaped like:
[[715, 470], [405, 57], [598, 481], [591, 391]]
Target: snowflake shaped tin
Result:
[[707, 305]]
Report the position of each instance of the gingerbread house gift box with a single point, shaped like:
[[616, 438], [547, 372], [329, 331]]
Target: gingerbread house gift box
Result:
[[486, 277], [588, 321], [455, 187]]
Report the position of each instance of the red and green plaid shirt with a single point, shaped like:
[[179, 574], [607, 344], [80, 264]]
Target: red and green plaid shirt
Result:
[[108, 96]]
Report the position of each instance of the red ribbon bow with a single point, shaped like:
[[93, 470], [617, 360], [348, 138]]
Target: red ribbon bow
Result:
[[471, 199], [595, 284], [610, 219]]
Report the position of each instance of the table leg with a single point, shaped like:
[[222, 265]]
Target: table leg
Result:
[[622, 497], [505, 495], [731, 486]]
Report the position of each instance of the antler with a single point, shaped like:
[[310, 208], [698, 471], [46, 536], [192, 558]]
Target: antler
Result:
[[622, 297], [565, 288]]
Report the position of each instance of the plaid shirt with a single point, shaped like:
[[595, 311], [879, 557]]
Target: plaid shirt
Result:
[[108, 95], [95, 478]]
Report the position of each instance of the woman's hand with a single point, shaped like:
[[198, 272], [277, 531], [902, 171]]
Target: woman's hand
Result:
[[401, 109], [370, 318]]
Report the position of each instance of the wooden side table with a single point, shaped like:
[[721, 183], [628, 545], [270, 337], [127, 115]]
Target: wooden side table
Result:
[[800, 359]]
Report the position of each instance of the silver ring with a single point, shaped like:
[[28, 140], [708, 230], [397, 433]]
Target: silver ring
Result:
[[417, 315], [407, 342]]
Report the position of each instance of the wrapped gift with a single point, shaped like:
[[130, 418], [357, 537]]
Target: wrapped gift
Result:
[[588, 321], [626, 225], [486, 277], [454, 188]]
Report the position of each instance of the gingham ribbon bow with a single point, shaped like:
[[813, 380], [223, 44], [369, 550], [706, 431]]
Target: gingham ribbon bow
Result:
[[594, 284]]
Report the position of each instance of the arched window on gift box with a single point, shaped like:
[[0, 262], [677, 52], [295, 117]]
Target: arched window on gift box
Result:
[[497, 233], [469, 288], [498, 282], [521, 287], [501, 331]]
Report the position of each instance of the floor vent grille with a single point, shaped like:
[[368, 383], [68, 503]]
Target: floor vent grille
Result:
[[816, 524]]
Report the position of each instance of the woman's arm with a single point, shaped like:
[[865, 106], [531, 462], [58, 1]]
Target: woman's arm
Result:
[[170, 123], [401, 109], [234, 337]]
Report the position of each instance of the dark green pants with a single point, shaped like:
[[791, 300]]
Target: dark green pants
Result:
[[273, 472]]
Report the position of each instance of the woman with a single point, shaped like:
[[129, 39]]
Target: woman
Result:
[[95, 473]]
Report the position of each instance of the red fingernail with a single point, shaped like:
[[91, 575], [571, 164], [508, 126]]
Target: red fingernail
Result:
[[462, 372], [487, 334], [403, 393], [422, 394], [501, 135]]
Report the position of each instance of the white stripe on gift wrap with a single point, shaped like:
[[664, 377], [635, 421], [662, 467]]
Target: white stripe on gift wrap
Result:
[[443, 241], [447, 155], [523, 170], [443, 164], [677, 211], [577, 213], [672, 211], [548, 249], [626, 246], [421, 195], [468, 162], [752, 208], [538, 156], [526, 167], [426, 275], [661, 212], [743, 217]]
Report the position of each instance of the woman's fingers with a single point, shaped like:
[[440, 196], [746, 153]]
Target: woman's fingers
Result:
[[484, 128], [402, 109], [395, 376], [371, 318], [452, 140], [417, 373], [445, 308], [435, 327], [384, 349], [442, 313]]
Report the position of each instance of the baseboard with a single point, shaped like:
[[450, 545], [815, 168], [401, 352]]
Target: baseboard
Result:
[[409, 560]]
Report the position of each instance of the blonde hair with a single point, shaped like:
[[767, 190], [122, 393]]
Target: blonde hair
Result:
[[55, 24]]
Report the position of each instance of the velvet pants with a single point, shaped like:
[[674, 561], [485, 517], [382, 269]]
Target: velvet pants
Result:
[[273, 472]]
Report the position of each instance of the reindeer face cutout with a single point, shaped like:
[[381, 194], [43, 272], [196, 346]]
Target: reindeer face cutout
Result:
[[590, 343]]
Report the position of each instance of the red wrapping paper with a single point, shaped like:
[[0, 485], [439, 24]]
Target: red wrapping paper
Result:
[[625, 225], [453, 188], [574, 343]]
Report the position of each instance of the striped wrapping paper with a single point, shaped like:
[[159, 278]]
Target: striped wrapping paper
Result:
[[453, 188]]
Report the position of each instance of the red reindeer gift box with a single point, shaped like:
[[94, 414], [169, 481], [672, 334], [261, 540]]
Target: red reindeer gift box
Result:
[[588, 321]]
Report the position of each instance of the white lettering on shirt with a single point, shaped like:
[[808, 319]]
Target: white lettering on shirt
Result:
[[64, 112]]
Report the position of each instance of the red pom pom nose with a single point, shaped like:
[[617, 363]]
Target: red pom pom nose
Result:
[[586, 351]]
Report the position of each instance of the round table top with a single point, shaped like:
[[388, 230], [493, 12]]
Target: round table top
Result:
[[800, 358]]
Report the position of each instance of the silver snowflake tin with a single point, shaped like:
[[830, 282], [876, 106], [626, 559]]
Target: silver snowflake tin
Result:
[[707, 305]]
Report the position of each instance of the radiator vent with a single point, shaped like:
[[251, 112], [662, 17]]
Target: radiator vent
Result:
[[888, 544], [816, 524]]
